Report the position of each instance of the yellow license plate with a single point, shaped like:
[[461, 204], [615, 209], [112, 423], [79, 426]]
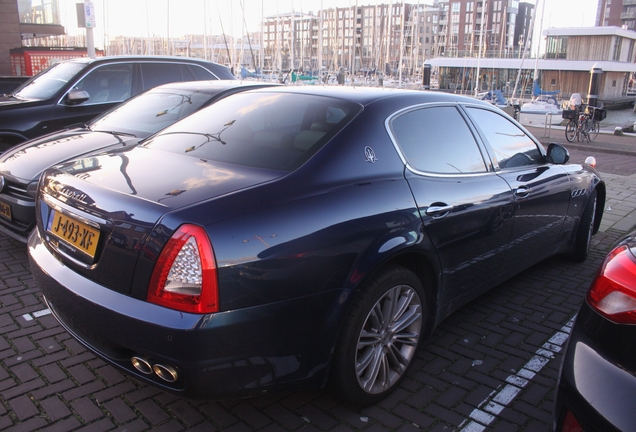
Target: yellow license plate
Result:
[[5, 210], [72, 231]]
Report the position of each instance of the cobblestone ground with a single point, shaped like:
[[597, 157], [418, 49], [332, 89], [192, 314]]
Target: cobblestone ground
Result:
[[491, 365]]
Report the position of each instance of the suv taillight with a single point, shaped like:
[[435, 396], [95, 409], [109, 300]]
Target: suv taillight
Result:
[[185, 277], [613, 293]]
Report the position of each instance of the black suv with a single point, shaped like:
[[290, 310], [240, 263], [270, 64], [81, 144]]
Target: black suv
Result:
[[75, 91]]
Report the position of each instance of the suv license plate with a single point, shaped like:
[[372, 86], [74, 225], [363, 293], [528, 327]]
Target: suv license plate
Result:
[[5, 210]]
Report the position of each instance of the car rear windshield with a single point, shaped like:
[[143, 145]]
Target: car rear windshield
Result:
[[46, 84], [150, 112], [278, 131]]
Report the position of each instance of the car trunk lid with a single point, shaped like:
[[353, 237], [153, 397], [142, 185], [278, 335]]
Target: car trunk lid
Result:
[[96, 213]]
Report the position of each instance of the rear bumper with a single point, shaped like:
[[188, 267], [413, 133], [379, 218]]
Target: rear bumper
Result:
[[598, 392], [280, 346]]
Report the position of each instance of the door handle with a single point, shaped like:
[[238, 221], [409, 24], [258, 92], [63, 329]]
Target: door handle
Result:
[[522, 192], [439, 211]]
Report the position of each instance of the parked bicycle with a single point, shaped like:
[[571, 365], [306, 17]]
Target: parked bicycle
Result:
[[584, 124]]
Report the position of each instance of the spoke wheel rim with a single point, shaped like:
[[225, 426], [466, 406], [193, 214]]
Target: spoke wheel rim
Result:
[[388, 340]]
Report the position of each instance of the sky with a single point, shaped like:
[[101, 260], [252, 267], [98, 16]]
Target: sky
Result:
[[149, 17]]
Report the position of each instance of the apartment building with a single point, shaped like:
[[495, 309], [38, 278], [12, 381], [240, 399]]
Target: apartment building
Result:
[[383, 37], [618, 13]]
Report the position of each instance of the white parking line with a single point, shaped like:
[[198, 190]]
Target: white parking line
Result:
[[490, 407], [37, 314]]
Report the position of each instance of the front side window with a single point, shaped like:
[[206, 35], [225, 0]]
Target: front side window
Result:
[[109, 83], [437, 140], [264, 130], [511, 146]]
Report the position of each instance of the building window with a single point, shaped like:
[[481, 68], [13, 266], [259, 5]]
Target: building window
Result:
[[617, 49]]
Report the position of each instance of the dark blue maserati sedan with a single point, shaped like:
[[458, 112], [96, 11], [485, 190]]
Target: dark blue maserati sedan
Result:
[[285, 238]]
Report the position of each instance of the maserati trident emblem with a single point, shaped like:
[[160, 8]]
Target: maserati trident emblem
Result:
[[1, 183], [369, 155]]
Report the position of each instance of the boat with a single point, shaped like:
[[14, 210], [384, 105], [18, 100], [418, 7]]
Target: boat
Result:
[[543, 109], [540, 111]]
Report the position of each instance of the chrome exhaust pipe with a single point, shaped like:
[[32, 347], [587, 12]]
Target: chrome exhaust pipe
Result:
[[165, 372], [142, 365]]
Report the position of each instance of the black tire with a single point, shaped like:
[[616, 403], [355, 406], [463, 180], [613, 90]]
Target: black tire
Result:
[[570, 131], [585, 230], [596, 126], [581, 134], [374, 353]]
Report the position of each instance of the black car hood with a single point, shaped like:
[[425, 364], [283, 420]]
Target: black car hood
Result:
[[10, 102], [26, 161], [172, 180]]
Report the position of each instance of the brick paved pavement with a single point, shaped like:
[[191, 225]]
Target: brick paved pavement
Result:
[[491, 365]]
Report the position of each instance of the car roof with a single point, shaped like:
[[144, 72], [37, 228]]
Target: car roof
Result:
[[137, 58], [212, 86], [368, 95]]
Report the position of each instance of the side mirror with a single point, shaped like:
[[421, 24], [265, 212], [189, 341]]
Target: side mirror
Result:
[[76, 97], [557, 154]]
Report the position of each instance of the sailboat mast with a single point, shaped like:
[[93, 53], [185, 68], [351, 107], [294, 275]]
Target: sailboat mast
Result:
[[536, 63], [292, 32], [481, 42], [227, 48], [320, 43], [525, 48], [401, 44]]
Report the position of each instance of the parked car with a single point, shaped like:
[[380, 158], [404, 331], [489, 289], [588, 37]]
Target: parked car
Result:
[[75, 91], [10, 83], [122, 126], [286, 235], [597, 383]]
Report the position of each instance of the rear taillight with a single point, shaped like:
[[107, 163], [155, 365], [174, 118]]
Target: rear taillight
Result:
[[185, 277], [613, 293], [570, 423]]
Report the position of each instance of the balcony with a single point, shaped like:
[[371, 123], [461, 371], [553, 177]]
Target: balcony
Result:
[[628, 15], [629, 2]]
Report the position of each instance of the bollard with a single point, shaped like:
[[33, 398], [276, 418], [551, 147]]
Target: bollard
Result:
[[547, 127], [426, 82], [595, 85]]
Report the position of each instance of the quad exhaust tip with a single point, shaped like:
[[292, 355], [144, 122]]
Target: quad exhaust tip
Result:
[[165, 372], [142, 365]]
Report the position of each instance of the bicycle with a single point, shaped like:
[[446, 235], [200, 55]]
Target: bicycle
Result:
[[589, 128], [584, 126]]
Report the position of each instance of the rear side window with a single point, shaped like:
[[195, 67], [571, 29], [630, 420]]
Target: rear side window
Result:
[[512, 147], [155, 74], [265, 130], [200, 73], [437, 140]]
